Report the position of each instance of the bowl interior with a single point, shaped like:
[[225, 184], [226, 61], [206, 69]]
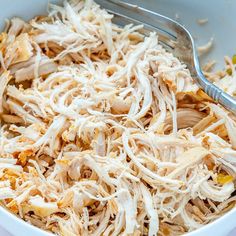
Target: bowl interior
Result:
[[221, 23]]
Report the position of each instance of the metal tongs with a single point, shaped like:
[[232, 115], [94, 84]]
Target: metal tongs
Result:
[[174, 37]]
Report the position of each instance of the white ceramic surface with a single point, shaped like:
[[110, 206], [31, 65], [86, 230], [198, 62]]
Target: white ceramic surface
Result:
[[221, 25]]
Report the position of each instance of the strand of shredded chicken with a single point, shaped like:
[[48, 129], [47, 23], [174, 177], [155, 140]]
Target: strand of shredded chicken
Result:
[[103, 132]]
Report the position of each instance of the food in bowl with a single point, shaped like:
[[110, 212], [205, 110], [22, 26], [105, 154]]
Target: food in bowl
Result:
[[104, 132]]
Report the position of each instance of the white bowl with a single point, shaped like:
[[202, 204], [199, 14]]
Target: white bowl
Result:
[[221, 26]]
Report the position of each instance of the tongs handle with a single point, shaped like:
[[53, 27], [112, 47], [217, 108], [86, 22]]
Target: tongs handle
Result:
[[177, 38], [140, 14]]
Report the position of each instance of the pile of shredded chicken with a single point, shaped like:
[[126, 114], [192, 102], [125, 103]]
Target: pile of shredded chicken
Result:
[[104, 132]]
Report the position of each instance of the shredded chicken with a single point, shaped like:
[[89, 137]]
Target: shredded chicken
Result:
[[204, 49], [104, 132], [202, 21]]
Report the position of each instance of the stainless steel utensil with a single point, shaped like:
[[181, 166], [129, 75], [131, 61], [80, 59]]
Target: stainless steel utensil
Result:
[[172, 35]]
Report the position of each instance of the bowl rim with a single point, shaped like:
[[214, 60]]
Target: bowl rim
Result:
[[6, 215], [219, 221]]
